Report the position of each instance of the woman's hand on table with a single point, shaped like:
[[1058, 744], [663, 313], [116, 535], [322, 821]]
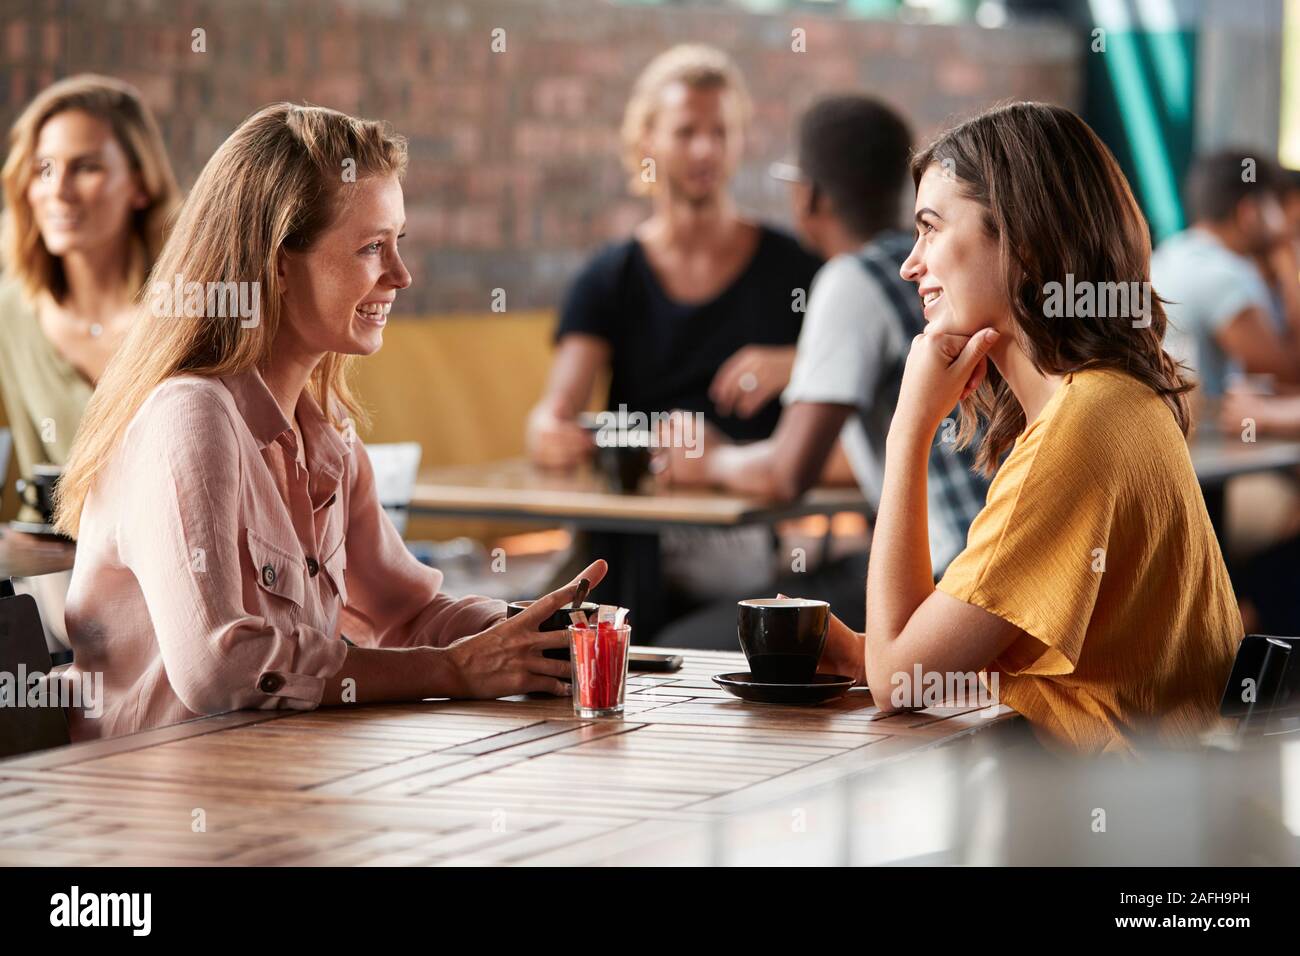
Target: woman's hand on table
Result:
[[845, 651], [507, 658], [750, 378], [556, 442]]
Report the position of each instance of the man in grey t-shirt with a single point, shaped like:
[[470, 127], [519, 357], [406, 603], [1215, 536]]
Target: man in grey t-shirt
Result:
[[1223, 315], [860, 320]]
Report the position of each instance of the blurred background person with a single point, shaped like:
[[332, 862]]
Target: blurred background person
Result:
[[88, 191], [862, 315], [1268, 580], [1231, 279], [698, 310], [697, 283]]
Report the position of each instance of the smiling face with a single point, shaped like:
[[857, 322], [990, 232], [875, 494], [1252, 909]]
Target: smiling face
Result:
[[955, 262], [695, 140], [337, 293], [83, 190]]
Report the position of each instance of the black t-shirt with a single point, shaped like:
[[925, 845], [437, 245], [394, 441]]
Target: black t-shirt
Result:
[[665, 353]]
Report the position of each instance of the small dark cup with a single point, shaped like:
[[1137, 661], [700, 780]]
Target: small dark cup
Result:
[[38, 490], [559, 621], [624, 467], [782, 638], [622, 453]]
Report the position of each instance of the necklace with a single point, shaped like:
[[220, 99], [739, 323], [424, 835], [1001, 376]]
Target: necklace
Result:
[[95, 330]]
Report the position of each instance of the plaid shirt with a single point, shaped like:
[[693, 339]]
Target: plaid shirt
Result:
[[956, 493]]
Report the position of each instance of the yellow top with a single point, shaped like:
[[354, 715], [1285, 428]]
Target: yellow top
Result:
[[1095, 541]]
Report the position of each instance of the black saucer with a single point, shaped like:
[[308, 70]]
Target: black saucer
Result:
[[824, 687]]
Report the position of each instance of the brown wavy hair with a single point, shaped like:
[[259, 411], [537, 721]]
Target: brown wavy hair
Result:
[[1057, 203]]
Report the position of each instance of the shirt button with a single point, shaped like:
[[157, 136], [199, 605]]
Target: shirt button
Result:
[[312, 567], [268, 575], [270, 683]]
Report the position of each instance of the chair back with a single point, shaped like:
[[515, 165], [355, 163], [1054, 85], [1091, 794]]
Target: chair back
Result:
[[23, 653], [395, 466], [1264, 685]]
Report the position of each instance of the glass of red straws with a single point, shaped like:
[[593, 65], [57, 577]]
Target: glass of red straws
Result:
[[598, 650]]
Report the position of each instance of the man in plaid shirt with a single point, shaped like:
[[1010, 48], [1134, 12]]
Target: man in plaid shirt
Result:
[[860, 321]]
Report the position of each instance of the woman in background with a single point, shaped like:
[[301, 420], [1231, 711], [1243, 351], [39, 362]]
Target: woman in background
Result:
[[88, 191], [232, 551]]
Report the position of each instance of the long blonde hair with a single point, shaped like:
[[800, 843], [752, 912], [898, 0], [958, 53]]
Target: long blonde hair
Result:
[[274, 184], [118, 104], [700, 67]]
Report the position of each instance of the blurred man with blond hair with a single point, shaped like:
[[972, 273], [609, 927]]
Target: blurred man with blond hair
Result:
[[698, 310]]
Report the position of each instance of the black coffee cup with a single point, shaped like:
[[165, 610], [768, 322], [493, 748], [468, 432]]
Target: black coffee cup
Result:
[[622, 453], [38, 490], [558, 621], [782, 638], [624, 466]]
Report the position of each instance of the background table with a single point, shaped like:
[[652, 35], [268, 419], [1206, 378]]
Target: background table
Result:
[[518, 780], [23, 556], [516, 490], [622, 528], [1218, 458]]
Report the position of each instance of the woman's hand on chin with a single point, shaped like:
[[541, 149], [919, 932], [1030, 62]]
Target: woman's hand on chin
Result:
[[942, 369]]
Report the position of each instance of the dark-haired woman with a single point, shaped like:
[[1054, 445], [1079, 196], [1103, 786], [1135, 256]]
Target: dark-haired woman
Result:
[[1092, 593]]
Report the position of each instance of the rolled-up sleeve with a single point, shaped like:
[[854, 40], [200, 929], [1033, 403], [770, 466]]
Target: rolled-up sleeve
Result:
[[179, 534], [393, 599]]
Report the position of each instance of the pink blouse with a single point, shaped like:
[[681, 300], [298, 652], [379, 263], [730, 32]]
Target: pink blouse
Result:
[[214, 572]]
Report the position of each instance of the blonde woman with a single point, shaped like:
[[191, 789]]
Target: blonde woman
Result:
[[229, 533], [87, 193]]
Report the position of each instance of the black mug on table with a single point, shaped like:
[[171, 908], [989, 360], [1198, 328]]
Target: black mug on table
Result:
[[38, 490], [783, 638]]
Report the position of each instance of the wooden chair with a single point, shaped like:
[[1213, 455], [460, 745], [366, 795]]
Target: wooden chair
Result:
[[1264, 686], [22, 650]]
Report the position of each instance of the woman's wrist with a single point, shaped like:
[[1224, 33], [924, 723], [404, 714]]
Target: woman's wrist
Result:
[[907, 439], [439, 675]]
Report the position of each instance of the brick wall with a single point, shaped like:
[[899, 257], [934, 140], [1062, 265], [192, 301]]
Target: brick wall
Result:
[[515, 172]]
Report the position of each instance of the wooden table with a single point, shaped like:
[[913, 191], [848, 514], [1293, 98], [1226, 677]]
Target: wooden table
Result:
[[24, 556], [518, 491], [518, 780], [1218, 458]]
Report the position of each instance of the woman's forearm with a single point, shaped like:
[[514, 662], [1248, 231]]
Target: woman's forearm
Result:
[[372, 675], [899, 576]]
